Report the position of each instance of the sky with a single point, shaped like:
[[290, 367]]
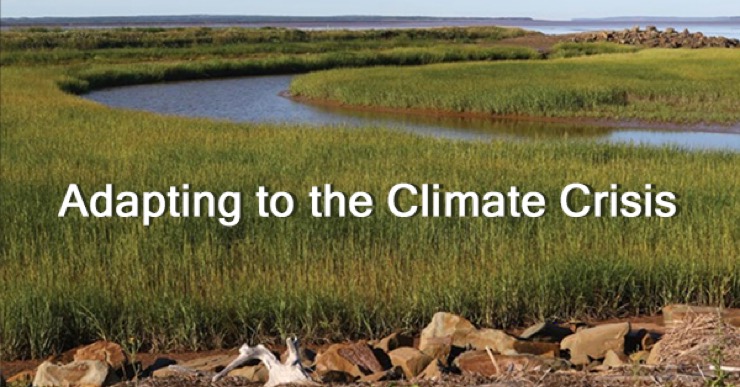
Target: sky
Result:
[[540, 9]]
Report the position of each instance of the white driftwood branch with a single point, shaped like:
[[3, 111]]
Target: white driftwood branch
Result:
[[725, 368], [291, 372]]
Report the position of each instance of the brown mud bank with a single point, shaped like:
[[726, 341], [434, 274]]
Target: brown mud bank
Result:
[[579, 121]]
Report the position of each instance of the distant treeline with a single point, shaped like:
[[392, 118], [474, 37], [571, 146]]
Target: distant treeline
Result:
[[45, 38]]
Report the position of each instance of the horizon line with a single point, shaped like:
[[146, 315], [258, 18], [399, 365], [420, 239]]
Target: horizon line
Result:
[[372, 16]]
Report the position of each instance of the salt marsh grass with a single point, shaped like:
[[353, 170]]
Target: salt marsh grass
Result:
[[194, 284], [684, 86]]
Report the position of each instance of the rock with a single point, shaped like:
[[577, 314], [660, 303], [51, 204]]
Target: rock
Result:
[[432, 372], [648, 342], [594, 343], [23, 378], [462, 333], [411, 360], [537, 348], [394, 373], [206, 364], [88, 373], [614, 360], [498, 341], [438, 347], [546, 331], [654, 357], [362, 355], [479, 363], [595, 366], [655, 38], [393, 341], [577, 326], [335, 377], [105, 351], [254, 374], [446, 325], [356, 360]]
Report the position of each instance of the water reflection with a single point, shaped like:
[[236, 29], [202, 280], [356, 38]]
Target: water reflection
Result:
[[256, 99]]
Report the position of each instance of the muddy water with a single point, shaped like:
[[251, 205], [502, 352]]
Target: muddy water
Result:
[[257, 99]]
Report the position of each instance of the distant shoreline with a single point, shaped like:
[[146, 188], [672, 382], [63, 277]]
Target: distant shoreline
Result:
[[215, 20], [722, 26]]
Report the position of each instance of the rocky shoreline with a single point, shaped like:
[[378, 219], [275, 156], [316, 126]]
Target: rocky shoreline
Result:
[[653, 37], [692, 345]]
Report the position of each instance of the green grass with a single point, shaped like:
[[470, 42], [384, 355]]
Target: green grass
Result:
[[683, 86], [139, 44], [83, 78], [193, 284], [570, 50]]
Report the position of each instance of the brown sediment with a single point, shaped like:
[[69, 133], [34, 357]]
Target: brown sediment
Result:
[[580, 121]]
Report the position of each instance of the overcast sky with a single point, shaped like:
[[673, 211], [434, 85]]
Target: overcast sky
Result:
[[541, 9]]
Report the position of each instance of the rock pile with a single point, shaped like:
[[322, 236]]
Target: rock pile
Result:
[[449, 345], [652, 37]]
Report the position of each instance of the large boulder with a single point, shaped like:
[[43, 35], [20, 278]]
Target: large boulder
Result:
[[393, 341], [537, 348], [105, 351], [480, 363], [411, 360], [496, 340], [362, 355], [433, 371], [438, 347], [547, 332], [462, 333], [614, 359], [87, 373], [333, 360], [593, 343], [446, 325]]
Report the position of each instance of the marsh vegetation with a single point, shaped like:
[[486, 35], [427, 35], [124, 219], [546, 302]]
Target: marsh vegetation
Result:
[[195, 284]]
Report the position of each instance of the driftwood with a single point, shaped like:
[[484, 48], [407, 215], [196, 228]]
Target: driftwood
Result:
[[292, 372]]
